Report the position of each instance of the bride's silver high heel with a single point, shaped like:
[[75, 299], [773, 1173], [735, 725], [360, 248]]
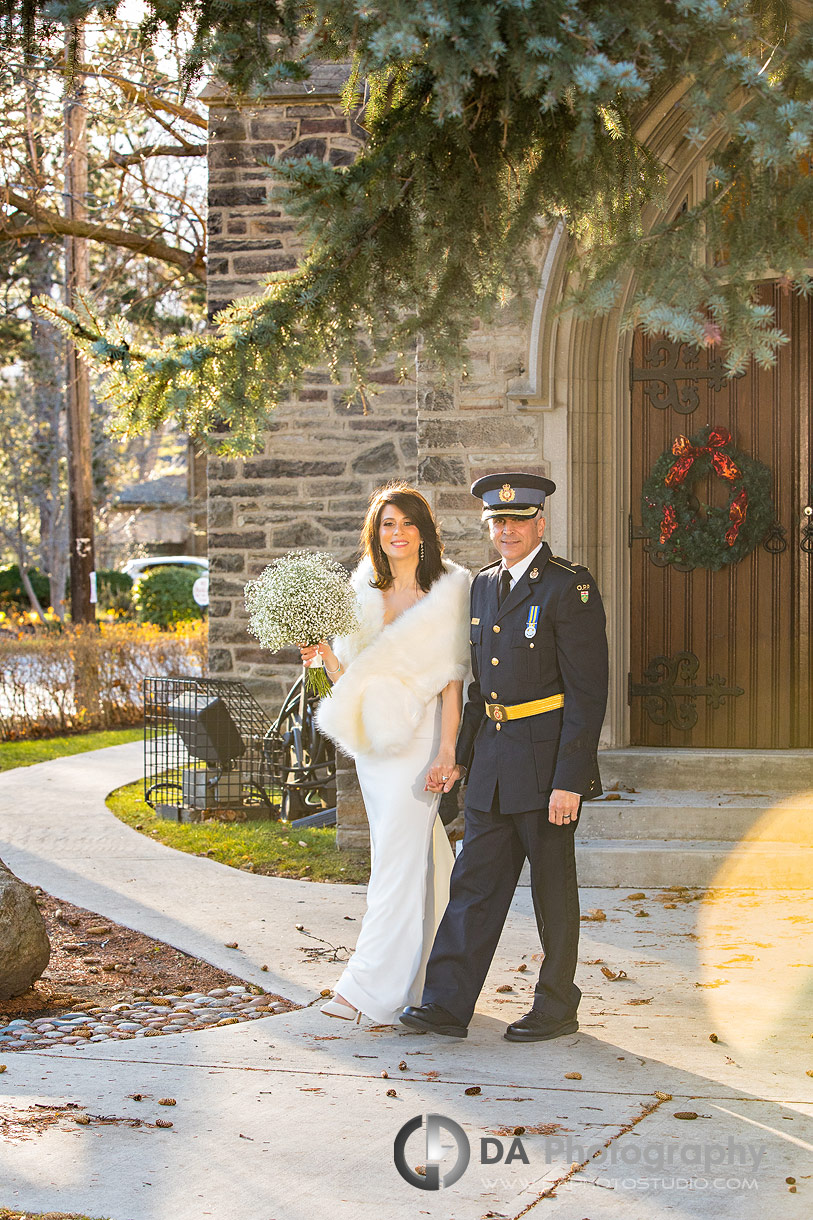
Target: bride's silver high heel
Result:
[[346, 1012]]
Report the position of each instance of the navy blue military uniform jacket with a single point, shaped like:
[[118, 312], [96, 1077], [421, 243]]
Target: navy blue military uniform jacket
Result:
[[525, 759]]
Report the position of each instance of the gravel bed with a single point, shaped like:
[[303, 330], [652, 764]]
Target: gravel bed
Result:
[[140, 1018]]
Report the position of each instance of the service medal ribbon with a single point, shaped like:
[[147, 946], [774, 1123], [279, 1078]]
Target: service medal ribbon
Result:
[[530, 626]]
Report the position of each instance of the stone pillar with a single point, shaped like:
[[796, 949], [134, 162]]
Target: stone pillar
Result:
[[322, 457]]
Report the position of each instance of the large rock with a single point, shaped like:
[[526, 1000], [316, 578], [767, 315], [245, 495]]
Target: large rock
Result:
[[24, 945]]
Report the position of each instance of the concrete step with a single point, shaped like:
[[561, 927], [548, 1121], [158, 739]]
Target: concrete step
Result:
[[689, 862], [687, 814], [644, 863], [713, 770]]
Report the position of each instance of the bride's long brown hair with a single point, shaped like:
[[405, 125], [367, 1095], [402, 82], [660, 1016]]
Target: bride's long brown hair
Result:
[[416, 507]]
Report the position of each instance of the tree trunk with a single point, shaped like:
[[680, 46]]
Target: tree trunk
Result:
[[49, 424], [46, 376], [77, 280]]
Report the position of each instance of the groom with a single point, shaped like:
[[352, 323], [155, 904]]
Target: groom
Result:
[[528, 738]]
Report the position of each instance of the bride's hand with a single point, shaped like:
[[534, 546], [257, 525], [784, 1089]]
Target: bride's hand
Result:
[[442, 775], [309, 652]]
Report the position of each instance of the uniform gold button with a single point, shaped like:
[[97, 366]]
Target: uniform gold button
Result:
[[494, 661], [531, 645], [498, 727], [495, 629], [493, 694]]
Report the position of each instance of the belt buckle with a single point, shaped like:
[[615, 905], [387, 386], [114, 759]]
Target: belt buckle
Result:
[[497, 711]]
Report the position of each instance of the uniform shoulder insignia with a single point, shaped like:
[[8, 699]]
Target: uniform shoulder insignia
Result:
[[489, 566], [562, 563]]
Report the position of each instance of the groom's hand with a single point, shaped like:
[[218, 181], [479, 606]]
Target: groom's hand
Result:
[[563, 807]]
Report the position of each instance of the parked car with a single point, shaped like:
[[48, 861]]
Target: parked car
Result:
[[137, 567]]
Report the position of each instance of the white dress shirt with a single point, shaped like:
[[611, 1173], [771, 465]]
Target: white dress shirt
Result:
[[518, 570]]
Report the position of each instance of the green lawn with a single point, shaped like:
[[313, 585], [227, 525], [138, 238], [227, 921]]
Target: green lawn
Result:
[[41, 749], [5, 1214], [272, 848]]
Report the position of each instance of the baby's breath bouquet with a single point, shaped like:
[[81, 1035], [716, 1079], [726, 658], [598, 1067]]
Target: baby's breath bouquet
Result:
[[301, 599]]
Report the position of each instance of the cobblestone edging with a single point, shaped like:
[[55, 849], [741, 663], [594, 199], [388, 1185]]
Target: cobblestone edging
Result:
[[147, 1018]]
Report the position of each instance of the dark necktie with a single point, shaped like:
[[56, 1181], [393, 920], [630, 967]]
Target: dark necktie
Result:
[[504, 586]]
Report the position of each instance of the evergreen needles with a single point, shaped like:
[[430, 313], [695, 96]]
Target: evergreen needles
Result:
[[488, 122]]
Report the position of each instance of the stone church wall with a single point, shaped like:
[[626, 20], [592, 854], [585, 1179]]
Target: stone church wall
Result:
[[322, 458]]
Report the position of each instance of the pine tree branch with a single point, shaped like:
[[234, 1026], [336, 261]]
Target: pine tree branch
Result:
[[47, 222]]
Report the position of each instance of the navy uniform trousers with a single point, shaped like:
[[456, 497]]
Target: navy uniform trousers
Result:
[[484, 879]]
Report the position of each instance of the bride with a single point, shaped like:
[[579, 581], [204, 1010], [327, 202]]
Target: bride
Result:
[[395, 708]]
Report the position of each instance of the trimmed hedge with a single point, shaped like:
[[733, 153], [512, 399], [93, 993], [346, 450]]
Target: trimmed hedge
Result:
[[114, 591], [164, 596], [13, 597]]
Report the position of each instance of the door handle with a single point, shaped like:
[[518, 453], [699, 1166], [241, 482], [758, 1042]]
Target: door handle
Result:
[[806, 540]]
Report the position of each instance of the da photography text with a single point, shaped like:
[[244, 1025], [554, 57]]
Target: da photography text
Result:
[[441, 1154]]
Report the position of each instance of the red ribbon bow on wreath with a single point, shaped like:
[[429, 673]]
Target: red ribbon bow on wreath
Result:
[[686, 453]]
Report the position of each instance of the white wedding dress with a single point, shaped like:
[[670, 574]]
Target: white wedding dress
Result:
[[409, 880], [385, 712]]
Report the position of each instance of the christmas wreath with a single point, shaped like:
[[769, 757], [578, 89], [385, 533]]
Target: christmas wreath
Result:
[[686, 531]]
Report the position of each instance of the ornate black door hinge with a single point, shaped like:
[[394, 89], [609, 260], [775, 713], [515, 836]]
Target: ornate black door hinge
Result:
[[669, 692], [637, 533], [665, 370]]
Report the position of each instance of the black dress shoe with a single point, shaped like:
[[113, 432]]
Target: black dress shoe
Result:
[[538, 1027], [432, 1019]]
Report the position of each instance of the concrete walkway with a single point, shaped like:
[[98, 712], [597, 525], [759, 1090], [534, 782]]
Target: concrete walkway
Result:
[[290, 1116]]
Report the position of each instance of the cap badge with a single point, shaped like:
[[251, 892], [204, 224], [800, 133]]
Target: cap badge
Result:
[[507, 493]]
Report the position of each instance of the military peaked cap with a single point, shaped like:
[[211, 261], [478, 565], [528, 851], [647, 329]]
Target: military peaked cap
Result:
[[512, 495]]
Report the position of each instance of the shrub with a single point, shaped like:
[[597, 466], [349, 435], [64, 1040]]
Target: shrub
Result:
[[114, 591], [13, 597], [89, 677], [164, 596]]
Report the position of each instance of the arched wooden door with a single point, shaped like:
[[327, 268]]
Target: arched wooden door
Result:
[[723, 659]]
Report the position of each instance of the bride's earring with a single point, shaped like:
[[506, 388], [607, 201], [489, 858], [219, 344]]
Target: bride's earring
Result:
[[422, 550]]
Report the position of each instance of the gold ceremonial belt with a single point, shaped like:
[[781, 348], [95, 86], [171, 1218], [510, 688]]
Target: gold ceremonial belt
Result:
[[518, 711]]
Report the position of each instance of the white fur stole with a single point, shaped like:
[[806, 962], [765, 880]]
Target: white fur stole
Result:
[[391, 673]]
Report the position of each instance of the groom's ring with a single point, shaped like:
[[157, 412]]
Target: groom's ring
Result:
[[444, 777]]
